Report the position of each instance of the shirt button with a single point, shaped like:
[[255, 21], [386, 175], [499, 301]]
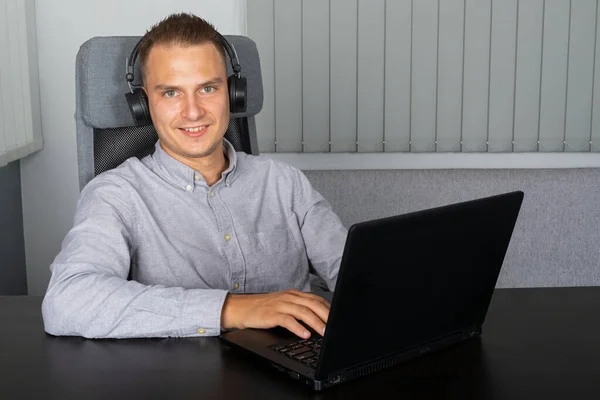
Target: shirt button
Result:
[[188, 187], [197, 177], [236, 286], [227, 236], [212, 194], [201, 331], [227, 181]]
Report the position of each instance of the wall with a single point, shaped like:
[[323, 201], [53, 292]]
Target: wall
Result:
[[49, 178], [12, 251]]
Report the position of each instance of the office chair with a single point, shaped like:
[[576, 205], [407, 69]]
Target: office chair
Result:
[[106, 132]]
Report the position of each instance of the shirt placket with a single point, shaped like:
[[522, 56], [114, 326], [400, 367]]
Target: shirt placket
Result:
[[231, 246]]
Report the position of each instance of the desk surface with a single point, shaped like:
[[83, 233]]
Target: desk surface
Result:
[[536, 343]]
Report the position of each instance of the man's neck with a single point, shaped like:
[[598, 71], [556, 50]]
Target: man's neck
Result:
[[211, 168]]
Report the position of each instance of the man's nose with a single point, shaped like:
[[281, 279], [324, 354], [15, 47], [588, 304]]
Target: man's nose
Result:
[[192, 108]]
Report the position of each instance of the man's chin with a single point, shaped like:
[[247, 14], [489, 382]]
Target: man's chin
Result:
[[197, 155], [200, 152], [186, 150]]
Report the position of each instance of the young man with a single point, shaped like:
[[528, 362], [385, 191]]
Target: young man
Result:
[[199, 228]]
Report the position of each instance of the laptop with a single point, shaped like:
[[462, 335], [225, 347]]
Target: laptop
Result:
[[407, 285]]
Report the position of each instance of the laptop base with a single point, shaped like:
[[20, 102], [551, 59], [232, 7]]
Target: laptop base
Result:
[[306, 376]]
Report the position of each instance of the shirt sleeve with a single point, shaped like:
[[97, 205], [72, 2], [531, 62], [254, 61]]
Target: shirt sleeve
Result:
[[89, 294], [322, 230]]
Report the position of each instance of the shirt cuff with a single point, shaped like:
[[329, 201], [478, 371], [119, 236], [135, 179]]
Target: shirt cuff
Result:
[[201, 313]]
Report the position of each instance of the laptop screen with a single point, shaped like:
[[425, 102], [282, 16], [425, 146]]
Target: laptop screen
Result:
[[408, 280]]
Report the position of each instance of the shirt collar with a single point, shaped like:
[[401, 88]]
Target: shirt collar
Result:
[[183, 176]]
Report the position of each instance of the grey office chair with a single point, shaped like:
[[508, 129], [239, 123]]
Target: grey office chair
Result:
[[106, 133]]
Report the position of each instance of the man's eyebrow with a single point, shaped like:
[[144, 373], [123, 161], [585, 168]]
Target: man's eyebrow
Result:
[[215, 81]]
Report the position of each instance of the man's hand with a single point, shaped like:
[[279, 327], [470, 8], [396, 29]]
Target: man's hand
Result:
[[276, 309]]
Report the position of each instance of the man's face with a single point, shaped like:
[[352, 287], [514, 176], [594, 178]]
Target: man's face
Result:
[[188, 99]]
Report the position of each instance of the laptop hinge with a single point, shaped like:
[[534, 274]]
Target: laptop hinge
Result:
[[471, 331]]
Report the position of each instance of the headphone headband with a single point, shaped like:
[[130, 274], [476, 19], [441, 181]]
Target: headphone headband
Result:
[[233, 58], [130, 61]]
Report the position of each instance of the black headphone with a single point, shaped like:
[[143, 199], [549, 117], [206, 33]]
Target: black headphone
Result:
[[138, 102]]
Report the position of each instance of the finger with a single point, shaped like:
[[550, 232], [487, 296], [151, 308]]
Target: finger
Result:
[[305, 315], [291, 324], [314, 305]]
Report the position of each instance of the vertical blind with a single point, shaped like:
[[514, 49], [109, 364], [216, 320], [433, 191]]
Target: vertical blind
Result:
[[20, 125], [428, 75]]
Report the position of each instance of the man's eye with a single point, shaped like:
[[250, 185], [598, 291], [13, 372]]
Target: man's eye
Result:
[[208, 89], [170, 93]]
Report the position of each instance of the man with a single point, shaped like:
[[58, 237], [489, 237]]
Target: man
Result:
[[197, 226]]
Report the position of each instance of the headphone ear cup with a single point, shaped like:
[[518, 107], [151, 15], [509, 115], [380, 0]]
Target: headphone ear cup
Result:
[[237, 93], [144, 105], [138, 105]]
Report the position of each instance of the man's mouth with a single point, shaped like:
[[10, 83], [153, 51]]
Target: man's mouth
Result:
[[194, 131]]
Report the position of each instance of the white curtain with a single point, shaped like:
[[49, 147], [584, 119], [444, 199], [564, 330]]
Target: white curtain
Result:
[[20, 127]]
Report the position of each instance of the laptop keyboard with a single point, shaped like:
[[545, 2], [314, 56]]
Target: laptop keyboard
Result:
[[306, 351]]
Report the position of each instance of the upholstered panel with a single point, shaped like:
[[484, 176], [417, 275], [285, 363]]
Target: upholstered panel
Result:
[[556, 241]]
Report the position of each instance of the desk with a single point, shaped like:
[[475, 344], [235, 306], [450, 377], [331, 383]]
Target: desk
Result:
[[536, 343]]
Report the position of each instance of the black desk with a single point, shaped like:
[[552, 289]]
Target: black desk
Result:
[[537, 343]]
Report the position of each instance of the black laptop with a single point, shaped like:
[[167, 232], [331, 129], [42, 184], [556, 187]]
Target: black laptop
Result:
[[407, 285]]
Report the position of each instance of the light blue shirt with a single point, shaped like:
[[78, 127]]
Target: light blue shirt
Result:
[[185, 245]]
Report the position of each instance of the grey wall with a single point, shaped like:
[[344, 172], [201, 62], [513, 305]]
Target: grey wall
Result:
[[12, 249]]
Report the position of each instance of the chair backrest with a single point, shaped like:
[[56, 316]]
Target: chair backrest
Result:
[[106, 133]]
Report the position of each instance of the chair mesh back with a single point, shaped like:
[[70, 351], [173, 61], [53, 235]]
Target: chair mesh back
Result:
[[112, 146]]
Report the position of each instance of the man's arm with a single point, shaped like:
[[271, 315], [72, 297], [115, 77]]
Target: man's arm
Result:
[[322, 230], [89, 294]]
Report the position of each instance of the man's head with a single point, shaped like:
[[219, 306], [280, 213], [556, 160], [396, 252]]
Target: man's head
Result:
[[185, 78]]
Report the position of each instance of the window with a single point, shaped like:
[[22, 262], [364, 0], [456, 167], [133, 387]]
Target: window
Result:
[[20, 123]]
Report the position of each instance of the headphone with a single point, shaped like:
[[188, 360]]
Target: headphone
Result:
[[138, 101]]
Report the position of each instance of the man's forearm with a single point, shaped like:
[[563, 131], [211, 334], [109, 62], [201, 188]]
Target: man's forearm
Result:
[[95, 305]]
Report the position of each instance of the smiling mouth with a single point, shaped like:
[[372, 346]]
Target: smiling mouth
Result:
[[194, 131]]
